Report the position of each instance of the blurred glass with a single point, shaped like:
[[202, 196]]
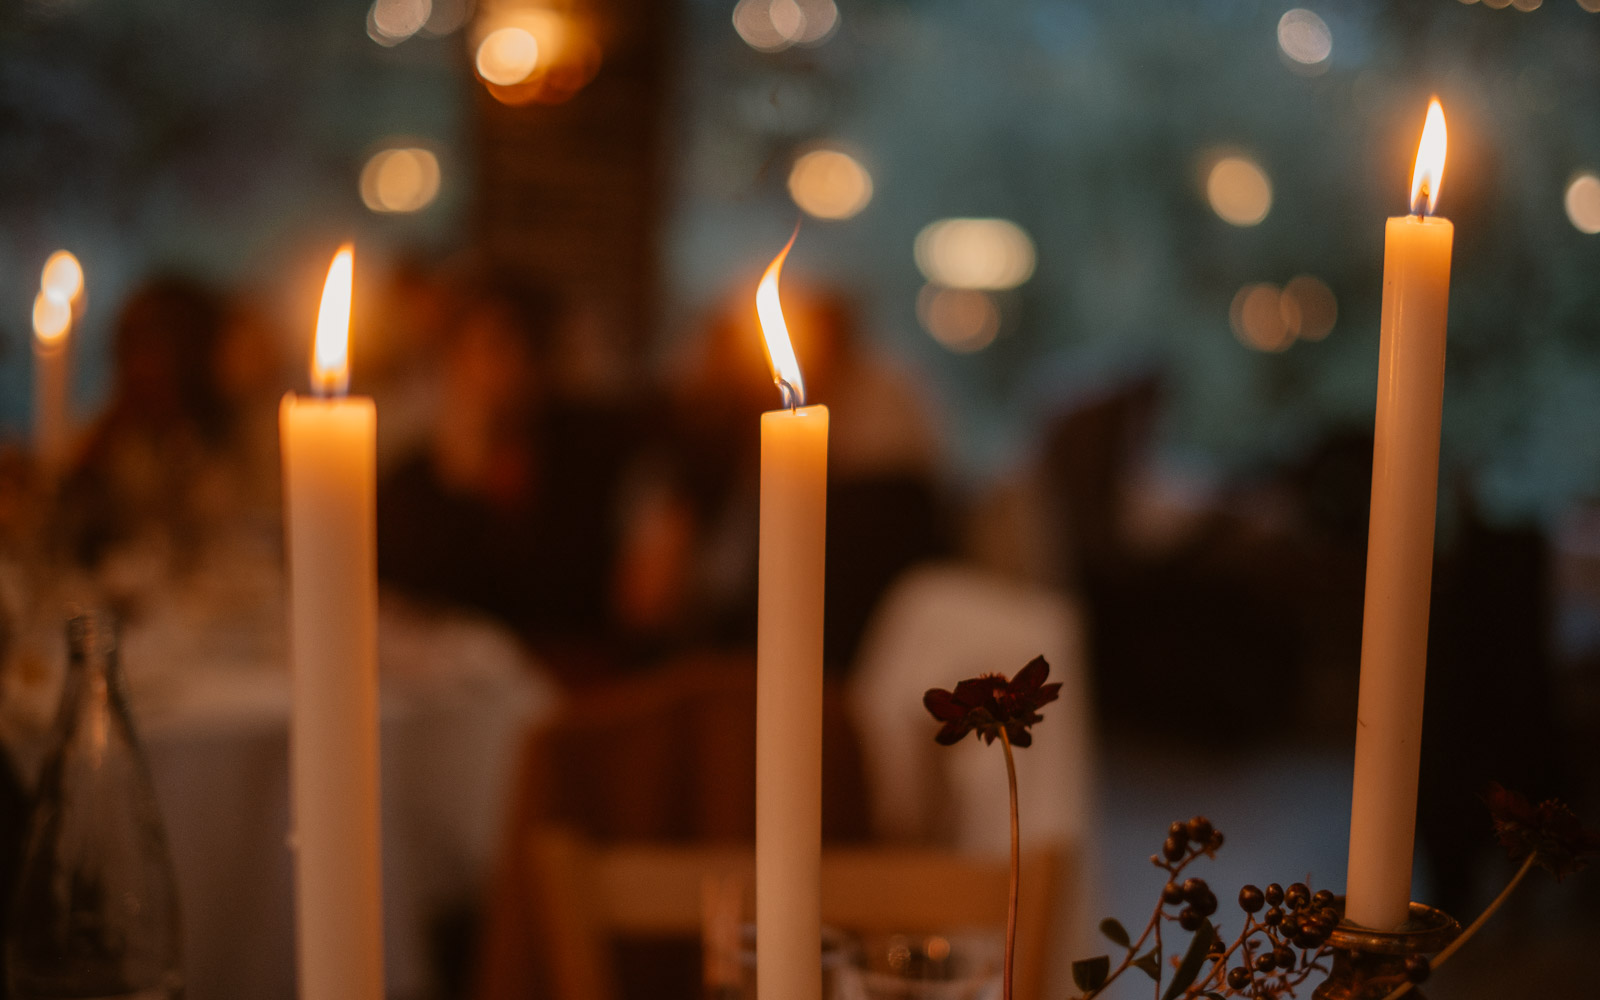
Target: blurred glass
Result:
[[931, 967]]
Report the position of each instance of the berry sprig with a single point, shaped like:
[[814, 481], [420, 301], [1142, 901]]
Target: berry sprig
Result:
[[1283, 940]]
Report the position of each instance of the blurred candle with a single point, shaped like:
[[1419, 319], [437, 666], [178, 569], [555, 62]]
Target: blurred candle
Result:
[[329, 476], [794, 483], [1405, 473], [52, 375]]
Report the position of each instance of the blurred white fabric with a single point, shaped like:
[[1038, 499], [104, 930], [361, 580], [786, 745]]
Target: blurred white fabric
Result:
[[940, 625], [210, 696]]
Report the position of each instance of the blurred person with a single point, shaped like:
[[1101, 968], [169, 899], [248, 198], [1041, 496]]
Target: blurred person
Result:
[[136, 477], [509, 505]]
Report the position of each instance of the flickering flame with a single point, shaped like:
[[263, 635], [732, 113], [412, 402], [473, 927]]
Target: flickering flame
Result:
[[780, 352], [1429, 171], [62, 278], [51, 319], [330, 353]]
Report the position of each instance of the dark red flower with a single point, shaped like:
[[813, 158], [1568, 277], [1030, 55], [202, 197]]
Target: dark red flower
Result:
[[1550, 831], [989, 703]]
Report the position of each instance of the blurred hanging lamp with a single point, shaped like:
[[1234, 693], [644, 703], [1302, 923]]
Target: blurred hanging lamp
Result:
[[527, 51]]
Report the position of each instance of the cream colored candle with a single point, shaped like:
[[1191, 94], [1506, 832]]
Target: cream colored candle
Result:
[[329, 471], [794, 484], [1405, 472], [60, 290]]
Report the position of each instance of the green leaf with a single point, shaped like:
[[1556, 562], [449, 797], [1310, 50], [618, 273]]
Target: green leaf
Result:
[[1193, 959], [1150, 962], [1090, 973], [1113, 929]]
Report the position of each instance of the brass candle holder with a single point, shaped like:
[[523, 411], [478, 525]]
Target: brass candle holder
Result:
[[1369, 964]]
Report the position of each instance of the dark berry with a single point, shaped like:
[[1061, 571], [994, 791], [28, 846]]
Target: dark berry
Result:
[[1291, 924], [1322, 899], [1274, 915], [1216, 947], [1179, 830], [1297, 896], [1200, 830], [1195, 889], [1306, 941], [1250, 899], [1274, 894], [1238, 977], [1188, 919], [1265, 962], [1172, 894], [1417, 968], [1207, 904], [1283, 957], [1173, 849], [1216, 841]]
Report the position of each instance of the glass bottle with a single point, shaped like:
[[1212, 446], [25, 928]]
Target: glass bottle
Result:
[[95, 914]]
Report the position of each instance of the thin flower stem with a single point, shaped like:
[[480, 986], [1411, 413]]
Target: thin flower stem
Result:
[[1011, 903], [1472, 928]]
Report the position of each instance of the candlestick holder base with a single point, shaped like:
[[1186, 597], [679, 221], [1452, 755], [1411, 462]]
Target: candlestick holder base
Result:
[[1368, 964]]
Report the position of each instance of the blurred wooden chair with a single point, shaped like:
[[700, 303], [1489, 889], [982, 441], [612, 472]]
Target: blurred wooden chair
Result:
[[588, 896], [667, 756]]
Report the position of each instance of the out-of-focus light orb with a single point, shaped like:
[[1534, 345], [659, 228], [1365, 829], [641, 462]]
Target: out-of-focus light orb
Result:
[[984, 254], [400, 180], [830, 184], [1304, 37], [50, 318], [507, 55], [448, 16], [774, 25], [390, 22], [1592, 6], [1257, 318], [62, 278], [1497, 4], [1309, 308], [1526, 5], [1583, 202], [1239, 191], [963, 320]]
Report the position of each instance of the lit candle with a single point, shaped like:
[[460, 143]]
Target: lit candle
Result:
[[1405, 473], [59, 288], [329, 478], [794, 484]]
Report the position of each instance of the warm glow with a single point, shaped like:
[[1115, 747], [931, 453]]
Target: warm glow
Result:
[[1583, 203], [1427, 175], [774, 25], [1239, 191], [1258, 320], [962, 320], [508, 55], [1308, 307], [829, 184], [1304, 37], [400, 180], [330, 353], [390, 22], [62, 279], [51, 318], [984, 254], [780, 351]]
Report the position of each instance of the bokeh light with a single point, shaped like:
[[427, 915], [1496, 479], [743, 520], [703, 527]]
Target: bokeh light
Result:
[[51, 317], [1304, 37], [62, 278], [1583, 202], [390, 22], [1309, 307], [1257, 318], [774, 25], [1592, 6], [1239, 191], [984, 254], [400, 180], [963, 320], [507, 55], [1526, 5], [448, 16], [830, 184]]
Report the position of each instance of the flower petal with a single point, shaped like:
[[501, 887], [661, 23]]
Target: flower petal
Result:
[[1031, 676]]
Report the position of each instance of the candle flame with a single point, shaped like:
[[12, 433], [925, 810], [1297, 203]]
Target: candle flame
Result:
[[62, 278], [1429, 171], [780, 351], [330, 353], [52, 317]]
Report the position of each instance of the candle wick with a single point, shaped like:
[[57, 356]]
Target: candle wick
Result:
[[791, 396]]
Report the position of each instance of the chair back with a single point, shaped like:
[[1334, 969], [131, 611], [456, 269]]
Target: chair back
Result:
[[588, 895]]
